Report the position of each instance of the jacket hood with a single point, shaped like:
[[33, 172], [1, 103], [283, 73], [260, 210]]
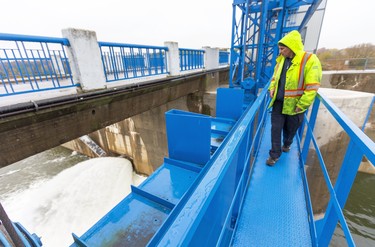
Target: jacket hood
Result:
[[293, 41]]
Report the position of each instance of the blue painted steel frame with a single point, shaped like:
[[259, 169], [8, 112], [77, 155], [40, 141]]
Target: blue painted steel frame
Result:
[[229, 103], [359, 145], [32, 239], [217, 198], [257, 26], [27, 239], [189, 136], [368, 114]]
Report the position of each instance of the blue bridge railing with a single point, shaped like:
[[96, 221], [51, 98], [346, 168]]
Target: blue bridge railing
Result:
[[32, 63], [126, 61], [359, 145], [191, 59], [223, 57]]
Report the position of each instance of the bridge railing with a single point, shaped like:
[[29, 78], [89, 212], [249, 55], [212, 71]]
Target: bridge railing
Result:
[[359, 145], [223, 57], [191, 59], [126, 61], [32, 64]]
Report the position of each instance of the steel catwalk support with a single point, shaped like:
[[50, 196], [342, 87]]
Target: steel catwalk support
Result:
[[257, 26]]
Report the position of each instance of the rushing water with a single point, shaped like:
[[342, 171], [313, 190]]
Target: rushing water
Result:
[[59, 192], [359, 213]]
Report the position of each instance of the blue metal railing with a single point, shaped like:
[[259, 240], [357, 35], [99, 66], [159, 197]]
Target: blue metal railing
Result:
[[36, 63], [359, 145], [368, 114], [126, 61], [32, 64], [223, 57], [191, 59]]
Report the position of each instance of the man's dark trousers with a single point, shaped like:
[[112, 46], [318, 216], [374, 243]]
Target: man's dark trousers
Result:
[[287, 124]]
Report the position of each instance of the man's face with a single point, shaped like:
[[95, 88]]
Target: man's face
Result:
[[286, 52]]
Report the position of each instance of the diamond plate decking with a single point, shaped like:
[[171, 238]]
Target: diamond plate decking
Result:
[[274, 211]]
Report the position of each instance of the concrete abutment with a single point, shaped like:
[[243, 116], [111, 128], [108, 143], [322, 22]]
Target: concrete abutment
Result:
[[142, 138]]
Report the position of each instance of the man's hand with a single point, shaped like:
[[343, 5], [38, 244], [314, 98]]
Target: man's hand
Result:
[[297, 109], [271, 93]]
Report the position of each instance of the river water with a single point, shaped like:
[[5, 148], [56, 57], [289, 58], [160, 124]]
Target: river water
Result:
[[359, 213], [59, 192]]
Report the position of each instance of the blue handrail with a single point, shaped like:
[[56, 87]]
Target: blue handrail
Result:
[[223, 57], [29, 38], [368, 114], [191, 59], [360, 145], [235, 207], [126, 61], [32, 64], [37, 63]]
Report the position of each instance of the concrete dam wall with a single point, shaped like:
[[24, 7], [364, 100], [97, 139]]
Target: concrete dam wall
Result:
[[142, 138]]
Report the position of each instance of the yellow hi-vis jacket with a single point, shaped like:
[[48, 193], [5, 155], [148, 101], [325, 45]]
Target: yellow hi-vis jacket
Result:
[[302, 78]]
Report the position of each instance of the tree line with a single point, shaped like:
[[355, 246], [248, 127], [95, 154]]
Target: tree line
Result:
[[360, 56]]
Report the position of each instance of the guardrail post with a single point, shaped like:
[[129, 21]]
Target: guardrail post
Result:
[[211, 58], [173, 56], [343, 184], [85, 59]]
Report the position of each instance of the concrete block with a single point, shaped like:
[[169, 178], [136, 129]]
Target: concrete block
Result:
[[173, 58], [85, 59]]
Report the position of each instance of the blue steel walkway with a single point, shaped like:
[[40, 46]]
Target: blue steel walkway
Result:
[[274, 212], [188, 201]]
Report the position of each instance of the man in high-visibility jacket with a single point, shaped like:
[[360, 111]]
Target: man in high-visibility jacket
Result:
[[293, 88]]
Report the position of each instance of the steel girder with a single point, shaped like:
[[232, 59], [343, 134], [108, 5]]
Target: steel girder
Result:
[[256, 28]]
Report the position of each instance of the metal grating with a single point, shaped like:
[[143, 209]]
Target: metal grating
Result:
[[274, 211]]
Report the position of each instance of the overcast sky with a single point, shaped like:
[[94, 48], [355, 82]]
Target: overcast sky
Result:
[[193, 23]]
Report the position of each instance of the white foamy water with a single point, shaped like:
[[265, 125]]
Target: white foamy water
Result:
[[73, 200], [10, 173]]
